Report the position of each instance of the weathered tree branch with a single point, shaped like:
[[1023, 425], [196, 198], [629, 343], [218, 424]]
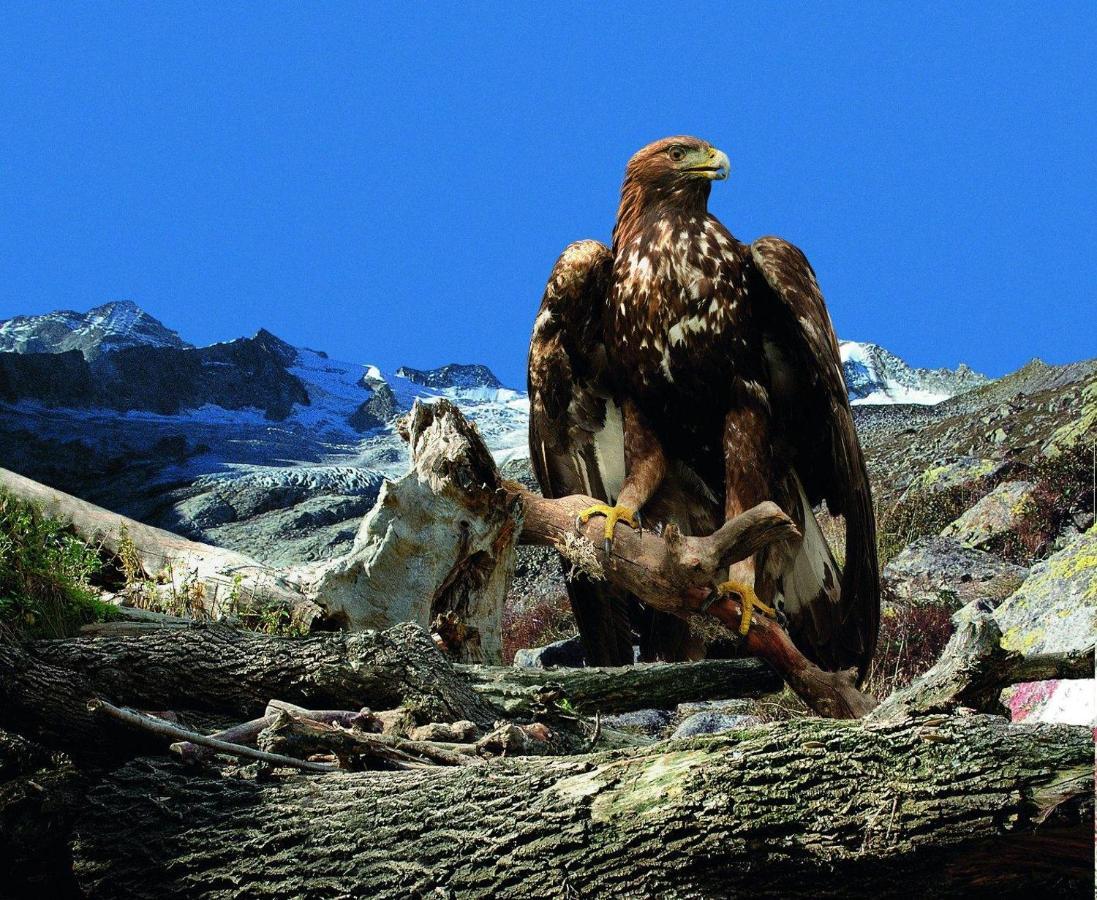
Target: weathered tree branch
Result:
[[796, 809], [675, 573], [166, 730]]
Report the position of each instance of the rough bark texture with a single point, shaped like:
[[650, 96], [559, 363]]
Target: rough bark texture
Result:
[[173, 561], [810, 808], [614, 690], [40, 793], [226, 670], [439, 542]]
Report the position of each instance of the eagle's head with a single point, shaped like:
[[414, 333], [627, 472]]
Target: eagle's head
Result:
[[675, 173], [675, 162]]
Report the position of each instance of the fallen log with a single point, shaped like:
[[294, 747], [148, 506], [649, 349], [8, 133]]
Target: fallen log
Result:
[[228, 671], [613, 690], [200, 577], [808, 808]]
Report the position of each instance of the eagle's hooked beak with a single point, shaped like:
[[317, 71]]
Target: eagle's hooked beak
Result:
[[711, 163]]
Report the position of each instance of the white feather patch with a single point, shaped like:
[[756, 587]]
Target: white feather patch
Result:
[[609, 450]]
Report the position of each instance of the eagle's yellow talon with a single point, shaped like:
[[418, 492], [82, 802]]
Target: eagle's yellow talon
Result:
[[613, 514], [750, 603]]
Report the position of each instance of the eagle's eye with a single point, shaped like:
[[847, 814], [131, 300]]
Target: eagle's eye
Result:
[[677, 153]]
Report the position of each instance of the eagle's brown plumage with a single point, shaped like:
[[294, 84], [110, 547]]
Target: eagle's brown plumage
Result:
[[724, 362]]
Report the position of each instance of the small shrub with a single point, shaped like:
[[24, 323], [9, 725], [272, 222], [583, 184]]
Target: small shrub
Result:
[[912, 637], [538, 624], [920, 515], [45, 575]]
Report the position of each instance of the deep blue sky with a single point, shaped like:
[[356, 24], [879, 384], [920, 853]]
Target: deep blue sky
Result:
[[392, 185]]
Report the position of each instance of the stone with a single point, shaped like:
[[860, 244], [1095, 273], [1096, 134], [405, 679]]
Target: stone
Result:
[[641, 721], [961, 472], [713, 723], [1055, 611], [941, 571], [1004, 511], [567, 652]]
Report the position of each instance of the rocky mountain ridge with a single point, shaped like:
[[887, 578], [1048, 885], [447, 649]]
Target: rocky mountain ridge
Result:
[[112, 326], [874, 375], [245, 443]]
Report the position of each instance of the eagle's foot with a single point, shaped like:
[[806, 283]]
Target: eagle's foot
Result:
[[745, 594], [613, 514]]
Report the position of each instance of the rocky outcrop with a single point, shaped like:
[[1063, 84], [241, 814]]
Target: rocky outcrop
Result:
[[973, 473], [1005, 511], [376, 412], [940, 571], [455, 375], [53, 379], [1055, 611]]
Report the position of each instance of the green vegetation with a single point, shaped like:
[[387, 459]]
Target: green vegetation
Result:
[[45, 573]]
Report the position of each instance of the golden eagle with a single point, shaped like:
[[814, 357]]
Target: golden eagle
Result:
[[688, 376]]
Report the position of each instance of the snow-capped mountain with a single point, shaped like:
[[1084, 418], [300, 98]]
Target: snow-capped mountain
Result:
[[256, 444], [875, 376], [111, 326]]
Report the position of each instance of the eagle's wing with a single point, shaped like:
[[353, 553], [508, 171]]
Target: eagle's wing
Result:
[[575, 430], [812, 414]]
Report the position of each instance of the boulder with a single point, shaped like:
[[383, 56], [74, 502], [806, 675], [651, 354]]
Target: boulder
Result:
[[640, 721], [1006, 510], [943, 572], [713, 723], [568, 652], [964, 472], [1055, 611]]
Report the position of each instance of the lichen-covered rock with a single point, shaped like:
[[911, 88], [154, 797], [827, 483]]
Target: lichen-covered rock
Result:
[[1055, 610], [940, 571], [965, 471], [1084, 427], [1006, 510]]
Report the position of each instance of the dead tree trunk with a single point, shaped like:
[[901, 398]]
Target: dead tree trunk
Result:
[[812, 808], [437, 548]]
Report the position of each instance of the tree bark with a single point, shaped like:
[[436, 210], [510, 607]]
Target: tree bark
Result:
[[227, 671], [613, 690], [810, 808]]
